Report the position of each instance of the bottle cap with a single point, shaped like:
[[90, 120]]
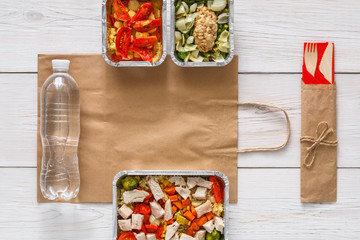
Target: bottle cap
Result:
[[60, 64]]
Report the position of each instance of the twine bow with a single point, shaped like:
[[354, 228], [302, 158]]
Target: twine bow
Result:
[[318, 141]]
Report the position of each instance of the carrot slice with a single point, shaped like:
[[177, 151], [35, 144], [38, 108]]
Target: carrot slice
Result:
[[194, 226], [170, 190], [193, 211], [173, 198], [186, 203], [201, 221], [178, 204], [209, 215], [190, 232], [189, 216], [174, 209]]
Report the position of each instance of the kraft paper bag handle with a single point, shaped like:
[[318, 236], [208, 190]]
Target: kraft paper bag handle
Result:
[[267, 148]]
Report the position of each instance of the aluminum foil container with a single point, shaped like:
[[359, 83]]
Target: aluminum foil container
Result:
[[106, 6], [122, 174], [202, 64]]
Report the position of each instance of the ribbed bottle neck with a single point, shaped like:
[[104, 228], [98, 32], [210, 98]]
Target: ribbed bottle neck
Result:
[[60, 71]]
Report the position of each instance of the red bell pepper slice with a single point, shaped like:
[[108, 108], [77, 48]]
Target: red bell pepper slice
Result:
[[146, 219], [217, 188], [112, 19], [159, 232], [147, 25], [143, 12], [143, 229], [127, 236], [123, 39], [142, 208], [149, 197], [151, 228], [144, 53], [145, 41], [121, 11]]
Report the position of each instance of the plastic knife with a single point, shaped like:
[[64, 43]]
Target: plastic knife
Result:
[[326, 64]]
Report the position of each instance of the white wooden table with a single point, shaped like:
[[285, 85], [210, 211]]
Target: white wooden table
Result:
[[269, 37]]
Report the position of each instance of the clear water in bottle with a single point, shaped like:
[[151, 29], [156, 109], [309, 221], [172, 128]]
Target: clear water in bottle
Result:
[[60, 132]]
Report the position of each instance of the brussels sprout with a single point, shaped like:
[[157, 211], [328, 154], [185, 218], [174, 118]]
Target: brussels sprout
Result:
[[215, 235], [130, 183]]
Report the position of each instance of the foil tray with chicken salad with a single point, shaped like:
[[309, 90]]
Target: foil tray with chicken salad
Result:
[[170, 207], [202, 30]]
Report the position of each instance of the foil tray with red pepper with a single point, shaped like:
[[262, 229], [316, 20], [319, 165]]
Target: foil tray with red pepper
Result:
[[170, 205], [133, 32]]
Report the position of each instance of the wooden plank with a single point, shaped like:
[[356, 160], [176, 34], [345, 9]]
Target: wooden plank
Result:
[[269, 35], [18, 124], [268, 208], [256, 127]]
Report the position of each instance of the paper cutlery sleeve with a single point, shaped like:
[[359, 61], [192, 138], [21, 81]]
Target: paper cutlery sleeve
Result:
[[318, 143]]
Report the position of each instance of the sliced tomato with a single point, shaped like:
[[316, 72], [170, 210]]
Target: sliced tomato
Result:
[[147, 25], [123, 39], [144, 53], [121, 11], [143, 12], [127, 236], [151, 228]]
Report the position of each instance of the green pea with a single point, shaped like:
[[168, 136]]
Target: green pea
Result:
[[130, 183]]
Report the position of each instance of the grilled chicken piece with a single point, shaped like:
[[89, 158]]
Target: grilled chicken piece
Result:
[[156, 210], [125, 211], [155, 189], [178, 181], [209, 226], [168, 211], [135, 196], [186, 237], [171, 230], [200, 193], [198, 181], [203, 208], [184, 192], [140, 236], [205, 31], [200, 235], [219, 224], [125, 225], [137, 221]]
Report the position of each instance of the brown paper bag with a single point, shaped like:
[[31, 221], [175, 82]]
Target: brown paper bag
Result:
[[318, 143], [160, 118]]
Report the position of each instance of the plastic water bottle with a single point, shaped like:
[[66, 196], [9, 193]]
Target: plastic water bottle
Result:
[[60, 132]]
